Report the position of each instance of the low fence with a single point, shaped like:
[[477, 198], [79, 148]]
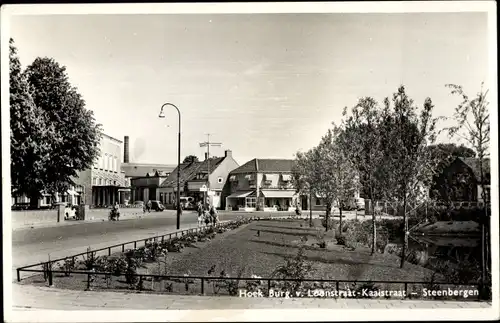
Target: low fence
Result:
[[236, 286]]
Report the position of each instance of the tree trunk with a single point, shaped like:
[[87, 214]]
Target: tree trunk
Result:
[[405, 230], [327, 216], [34, 197], [310, 210], [340, 221], [374, 224], [484, 243]]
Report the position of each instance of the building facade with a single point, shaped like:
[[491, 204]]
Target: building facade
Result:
[[103, 184], [100, 185], [461, 181], [211, 174], [262, 185]]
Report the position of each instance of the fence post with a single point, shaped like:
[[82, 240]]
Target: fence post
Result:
[[268, 287], [18, 275], [337, 286], [135, 244], [88, 281], [406, 290], [123, 247], [202, 286], [140, 282], [50, 277], [109, 251]]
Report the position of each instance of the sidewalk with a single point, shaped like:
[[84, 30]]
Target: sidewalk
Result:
[[33, 297], [93, 216]]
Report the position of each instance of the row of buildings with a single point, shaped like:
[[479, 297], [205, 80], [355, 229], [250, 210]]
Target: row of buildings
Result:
[[259, 184]]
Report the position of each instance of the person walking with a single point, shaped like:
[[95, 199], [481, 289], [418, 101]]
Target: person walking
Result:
[[213, 213], [148, 206], [199, 209], [206, 215], [117, 210]]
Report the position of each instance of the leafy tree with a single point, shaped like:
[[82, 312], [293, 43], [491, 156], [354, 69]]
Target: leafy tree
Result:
[[473, 126], [341, 169], [304, 175], [407, 134], [363, 145], [31, 134], [190, 159], [75, 143]]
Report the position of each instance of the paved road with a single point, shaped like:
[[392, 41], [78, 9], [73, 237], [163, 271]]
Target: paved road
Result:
[[32, 245]]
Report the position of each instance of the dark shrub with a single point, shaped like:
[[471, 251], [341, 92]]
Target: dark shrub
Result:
[[341, 240]]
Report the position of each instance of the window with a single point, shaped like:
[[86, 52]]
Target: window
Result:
[[219, 180], [251, 202], [114, 183], [100, 181], [116, 164], [318, 201]]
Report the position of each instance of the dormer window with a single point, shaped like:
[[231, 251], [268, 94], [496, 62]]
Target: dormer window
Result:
[[286, 177], [201, 176]]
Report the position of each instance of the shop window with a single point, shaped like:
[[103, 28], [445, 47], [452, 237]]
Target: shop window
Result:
[[251, 202]]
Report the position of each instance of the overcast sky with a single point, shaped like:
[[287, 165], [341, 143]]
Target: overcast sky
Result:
[[265, 85]]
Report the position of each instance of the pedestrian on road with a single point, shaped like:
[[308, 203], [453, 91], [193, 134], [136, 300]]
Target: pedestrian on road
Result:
[[200, 214], [207, 217], [213, 214], [149, 206]]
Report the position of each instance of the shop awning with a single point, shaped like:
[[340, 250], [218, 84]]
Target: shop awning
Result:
[[240, 194], [278, 194], [271, 177], [71, 192]]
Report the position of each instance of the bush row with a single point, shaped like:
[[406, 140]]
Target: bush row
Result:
[[131, 260]]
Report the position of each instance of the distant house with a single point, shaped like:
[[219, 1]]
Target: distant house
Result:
[[147, 187], [195, 175], [142, 179], [461, 181], [262, 185]]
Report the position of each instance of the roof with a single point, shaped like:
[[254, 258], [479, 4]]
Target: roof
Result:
[[473, 164], [189, 170], [141, 169], [266, 166], [112, 138]]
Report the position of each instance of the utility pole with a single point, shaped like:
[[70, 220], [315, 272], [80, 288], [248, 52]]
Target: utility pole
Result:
[[208, 144]]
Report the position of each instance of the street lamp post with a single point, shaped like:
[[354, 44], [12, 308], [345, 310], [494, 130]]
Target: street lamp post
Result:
[[162, 115]]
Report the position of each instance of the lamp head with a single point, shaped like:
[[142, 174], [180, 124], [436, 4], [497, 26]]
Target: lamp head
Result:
[[161, 115]]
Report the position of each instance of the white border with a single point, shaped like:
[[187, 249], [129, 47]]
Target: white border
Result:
[[257, 315]]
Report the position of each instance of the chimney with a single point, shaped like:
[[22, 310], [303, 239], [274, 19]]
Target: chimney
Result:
[[206, 156], [228, 153], [125, 149]]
